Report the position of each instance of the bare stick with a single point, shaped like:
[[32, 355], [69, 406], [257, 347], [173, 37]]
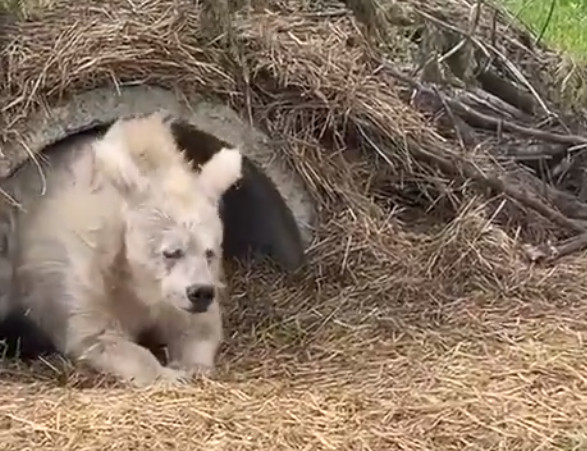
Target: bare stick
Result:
[[550, 252], [486, 121], [484, 48], [468, 170]]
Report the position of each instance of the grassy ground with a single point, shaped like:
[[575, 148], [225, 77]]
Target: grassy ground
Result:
[[564, 28]]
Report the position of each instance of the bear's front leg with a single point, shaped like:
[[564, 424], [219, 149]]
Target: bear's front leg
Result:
[[194, 341], [113, 354], [194, 355]]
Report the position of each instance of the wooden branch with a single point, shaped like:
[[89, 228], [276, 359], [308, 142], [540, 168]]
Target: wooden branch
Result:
[[506, 91], [541, 151], [492, 123], [486, 121], [478, 98], [470, 171], [549, 252], [491, 52], [452, 118], [568, 204], [432, 104], [583, 191]]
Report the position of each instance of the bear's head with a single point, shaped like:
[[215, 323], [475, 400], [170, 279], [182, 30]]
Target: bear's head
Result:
[[173, 232]]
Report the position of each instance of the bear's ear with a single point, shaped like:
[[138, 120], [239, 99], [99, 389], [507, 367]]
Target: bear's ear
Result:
[[220, 172], [115, 161]]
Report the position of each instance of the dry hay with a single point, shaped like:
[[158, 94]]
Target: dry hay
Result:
[[419, 322]]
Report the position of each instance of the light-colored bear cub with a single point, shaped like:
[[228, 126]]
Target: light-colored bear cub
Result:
[[127, 238]]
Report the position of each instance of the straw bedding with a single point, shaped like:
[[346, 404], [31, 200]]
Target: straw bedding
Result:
[[419, 322]]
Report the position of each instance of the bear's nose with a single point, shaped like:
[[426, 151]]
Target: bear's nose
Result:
[[201, 296]]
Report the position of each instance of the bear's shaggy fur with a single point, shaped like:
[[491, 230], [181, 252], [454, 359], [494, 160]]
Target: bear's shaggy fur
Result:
[[127, 238]]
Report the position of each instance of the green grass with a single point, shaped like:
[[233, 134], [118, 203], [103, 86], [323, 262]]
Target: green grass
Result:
[[567, 28]]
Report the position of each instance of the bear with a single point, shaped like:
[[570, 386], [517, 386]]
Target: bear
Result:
[[127, 237]]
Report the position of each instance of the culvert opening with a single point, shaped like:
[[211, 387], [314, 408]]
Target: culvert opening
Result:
[[258, 221]]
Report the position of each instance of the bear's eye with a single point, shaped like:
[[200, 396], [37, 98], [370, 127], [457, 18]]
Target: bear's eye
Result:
[[210, 254], [173, 254]]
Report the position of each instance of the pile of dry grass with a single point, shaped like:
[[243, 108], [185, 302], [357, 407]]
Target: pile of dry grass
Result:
[[418, 324]]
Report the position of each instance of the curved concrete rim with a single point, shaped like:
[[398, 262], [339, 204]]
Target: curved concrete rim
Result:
[[102, 106]]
